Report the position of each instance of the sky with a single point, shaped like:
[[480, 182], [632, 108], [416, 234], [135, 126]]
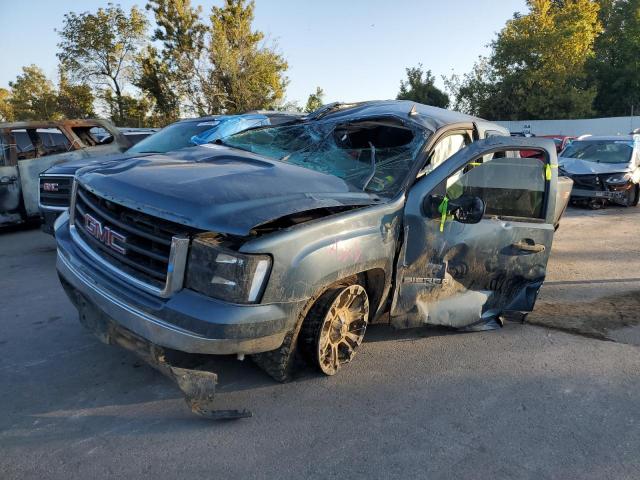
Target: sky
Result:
[[353, 49]]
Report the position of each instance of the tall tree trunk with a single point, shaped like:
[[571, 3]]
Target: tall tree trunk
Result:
[[119, 102]]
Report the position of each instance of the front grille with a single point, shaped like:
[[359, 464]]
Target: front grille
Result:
[[55, 191], [147, 239], [588, 182]]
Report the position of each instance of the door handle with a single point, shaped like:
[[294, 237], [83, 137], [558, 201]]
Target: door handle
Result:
[[8, 180], [528, 245]]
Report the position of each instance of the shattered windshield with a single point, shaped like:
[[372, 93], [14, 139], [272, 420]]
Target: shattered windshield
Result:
[[373, 155], [600, 151]]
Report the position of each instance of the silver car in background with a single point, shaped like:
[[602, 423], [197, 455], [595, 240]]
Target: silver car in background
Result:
[[603, 170]]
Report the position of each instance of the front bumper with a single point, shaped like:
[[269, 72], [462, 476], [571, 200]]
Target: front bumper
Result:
[[581, 194], [187, 321], [49, 219]]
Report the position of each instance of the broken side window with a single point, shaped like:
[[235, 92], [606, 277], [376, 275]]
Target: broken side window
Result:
[[52, 141], [4, 152], [373, 154], [24, 146], [92, 136]]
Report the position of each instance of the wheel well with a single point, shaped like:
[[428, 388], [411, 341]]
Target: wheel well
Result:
[[374, 283]]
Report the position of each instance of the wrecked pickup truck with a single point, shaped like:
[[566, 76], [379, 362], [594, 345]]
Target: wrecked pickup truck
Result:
[[28, 148], [291, 240]]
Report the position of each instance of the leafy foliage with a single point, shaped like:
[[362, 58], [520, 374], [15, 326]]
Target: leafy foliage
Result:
[[315, 100], [74, 100], [33, 95], [101, 48], [6, 109], [420, 87], [131, 111], [615, 69], [175, 76], [537, 67], [247, 74]]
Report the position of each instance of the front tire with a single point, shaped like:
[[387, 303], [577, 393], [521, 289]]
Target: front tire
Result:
[[335, 326], [279, 363]]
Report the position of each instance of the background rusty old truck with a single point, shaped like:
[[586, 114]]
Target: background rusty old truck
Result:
[[28, 148]]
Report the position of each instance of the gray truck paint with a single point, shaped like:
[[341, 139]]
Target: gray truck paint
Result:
[[310, 256], [464, 276]]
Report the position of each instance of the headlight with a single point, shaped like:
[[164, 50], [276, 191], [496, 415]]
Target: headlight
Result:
[[226, 274], [618, 178]]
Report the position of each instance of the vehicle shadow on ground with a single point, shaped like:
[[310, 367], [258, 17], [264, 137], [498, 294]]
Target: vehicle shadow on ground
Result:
[[20, 227], [386, 333], [589, 282], [113, 378], [578, 211]]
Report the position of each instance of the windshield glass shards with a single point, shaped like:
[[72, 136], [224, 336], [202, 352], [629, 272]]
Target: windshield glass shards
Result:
[[600, 151], [373, 154]]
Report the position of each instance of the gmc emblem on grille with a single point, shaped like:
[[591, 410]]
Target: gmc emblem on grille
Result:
[[110, 238], [50, 187]]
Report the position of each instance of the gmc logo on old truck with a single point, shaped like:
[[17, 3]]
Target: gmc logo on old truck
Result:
[[50, 187], [106, 235]]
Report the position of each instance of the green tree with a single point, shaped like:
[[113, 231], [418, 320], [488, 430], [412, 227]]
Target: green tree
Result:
[[74, 100], [615, 70], [420, 87], [475, 91], [6, 109], [129, 110], [537, 67], [174, 76], [33, 96], [101, 47], [155, 80], [246, 74], [315, 100]]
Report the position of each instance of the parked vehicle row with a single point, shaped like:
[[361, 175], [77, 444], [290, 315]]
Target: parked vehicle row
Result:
[[287, 241]]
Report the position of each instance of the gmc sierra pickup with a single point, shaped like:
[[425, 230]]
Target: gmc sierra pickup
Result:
[[286, 242]]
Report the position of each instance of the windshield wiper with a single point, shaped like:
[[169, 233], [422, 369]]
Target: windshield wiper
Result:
[[373, 167]]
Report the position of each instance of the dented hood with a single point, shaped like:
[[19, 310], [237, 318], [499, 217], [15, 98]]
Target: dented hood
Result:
[[70, 167], [218, 189], [575, 166]]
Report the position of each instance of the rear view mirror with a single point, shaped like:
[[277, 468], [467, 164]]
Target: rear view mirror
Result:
[[464, 209]]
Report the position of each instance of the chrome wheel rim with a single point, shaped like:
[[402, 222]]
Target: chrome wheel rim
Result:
[[343, 329]]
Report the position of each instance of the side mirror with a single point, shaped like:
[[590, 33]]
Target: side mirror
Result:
[[465, 209]]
